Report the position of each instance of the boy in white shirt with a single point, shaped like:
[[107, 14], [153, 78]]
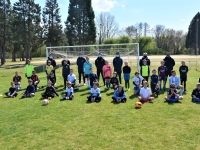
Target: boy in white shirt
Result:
[[69, 92], [176, 81], [137, 81], [72, 78], [145, 93], [95, 93]]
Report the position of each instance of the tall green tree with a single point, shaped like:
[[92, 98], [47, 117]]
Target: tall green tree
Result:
[[27, 19], [52, 23], [193, 32], [5, 30], [80, 26]]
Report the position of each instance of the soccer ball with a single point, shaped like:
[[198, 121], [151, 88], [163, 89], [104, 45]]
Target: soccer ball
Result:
[[138, 105], [45, 102]]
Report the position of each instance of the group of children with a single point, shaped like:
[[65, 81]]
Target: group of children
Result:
[[140, 82]]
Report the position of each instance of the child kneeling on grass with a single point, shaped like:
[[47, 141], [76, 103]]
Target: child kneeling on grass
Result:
[[95, 93], [114, 81], [196, 94], [12, 93], [69, 92], [50, 91], [172, 94], [30, 90], [119, 95], [145, 93]]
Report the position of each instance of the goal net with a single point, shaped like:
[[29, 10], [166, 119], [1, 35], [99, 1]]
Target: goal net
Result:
[[128, 52]]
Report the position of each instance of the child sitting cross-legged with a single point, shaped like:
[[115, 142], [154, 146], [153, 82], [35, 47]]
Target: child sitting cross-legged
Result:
[[12, 91], [145, 93], [69, 92], [95, 95], [30, 90], [172, 95], [50, 91], [17, 80], [119, 95], [196, 94]]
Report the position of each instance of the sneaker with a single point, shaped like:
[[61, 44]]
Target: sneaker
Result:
[[83, 83]]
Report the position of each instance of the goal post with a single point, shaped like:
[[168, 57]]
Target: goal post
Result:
[[128, 51]]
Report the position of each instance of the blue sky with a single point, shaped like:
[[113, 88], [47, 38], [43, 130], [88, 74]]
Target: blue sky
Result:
[[175, 14]]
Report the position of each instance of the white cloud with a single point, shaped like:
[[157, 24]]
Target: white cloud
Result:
[[123, 6], [103, 5]]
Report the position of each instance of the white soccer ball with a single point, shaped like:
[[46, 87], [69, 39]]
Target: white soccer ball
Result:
[[45, 102]]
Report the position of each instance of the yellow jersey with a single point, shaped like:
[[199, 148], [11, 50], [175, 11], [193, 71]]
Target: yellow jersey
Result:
[[49, 69]]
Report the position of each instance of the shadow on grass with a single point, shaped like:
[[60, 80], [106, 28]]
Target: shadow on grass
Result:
[[133, 96], [109, 94], [116, 103]]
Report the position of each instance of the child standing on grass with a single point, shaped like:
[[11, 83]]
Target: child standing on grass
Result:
[[86, 68], [183, 70], [49, 69], [154, 83], [50, 91], [17, 80], [114, 81], [95, 95], [30, 90], [107, 73], [145, 93], [137, 81], [162, 73], [12, 93], [119, 95], [172, 94], [29, 69], [69, 95], [145, 70], [92, 77], [127, 71]]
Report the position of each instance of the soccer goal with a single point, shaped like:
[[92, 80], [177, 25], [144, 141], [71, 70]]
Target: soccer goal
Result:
[[128, 51]]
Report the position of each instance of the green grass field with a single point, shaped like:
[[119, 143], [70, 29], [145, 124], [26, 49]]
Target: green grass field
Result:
[[25, 124]]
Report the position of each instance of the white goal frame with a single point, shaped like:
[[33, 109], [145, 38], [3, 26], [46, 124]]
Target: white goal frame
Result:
[[102, 45]]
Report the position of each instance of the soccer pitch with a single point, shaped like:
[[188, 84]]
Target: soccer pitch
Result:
[[25, 124]]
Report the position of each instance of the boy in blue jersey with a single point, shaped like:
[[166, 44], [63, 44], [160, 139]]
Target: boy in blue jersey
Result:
[[92, 77], [86, 68], [162, 73]]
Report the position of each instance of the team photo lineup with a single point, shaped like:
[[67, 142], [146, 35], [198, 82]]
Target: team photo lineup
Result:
[[148, 82]]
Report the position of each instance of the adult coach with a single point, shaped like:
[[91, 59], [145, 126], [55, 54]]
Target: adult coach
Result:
[[80, 61], [169, 63], [145, 57], [65, 59], [29, 69], [117, 63], [99, 63]]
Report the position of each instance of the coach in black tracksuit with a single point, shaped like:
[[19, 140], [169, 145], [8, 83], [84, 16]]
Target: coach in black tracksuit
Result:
[[99, 63], [169, 63], [65, 72], [117, 63], [145, 58], [62, 62], [80, 61]]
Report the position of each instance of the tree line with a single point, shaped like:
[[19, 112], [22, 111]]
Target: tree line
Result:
[[26, 29]]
